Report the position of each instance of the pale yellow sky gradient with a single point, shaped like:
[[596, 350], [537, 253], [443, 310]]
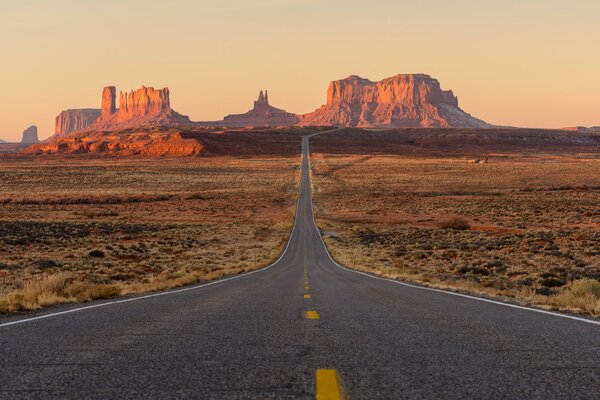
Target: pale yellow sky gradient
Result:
[[521, 63]]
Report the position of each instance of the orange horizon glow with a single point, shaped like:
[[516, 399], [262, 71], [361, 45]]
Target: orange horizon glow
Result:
[[515, 64]]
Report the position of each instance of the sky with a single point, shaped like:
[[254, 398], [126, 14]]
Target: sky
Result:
[[523, 63]]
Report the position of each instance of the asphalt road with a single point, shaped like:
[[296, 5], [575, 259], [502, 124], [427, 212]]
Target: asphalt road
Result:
[[259, 336]]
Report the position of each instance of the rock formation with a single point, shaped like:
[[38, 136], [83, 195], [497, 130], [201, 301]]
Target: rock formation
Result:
[[400, 101], [30, 135], [262, 114], [143, 107], [70, 121], [108, 106]]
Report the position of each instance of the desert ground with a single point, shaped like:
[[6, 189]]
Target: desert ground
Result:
[[81, 228], [524, 226]]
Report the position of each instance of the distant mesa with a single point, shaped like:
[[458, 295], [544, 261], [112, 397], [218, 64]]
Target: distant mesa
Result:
[[408, 100], [143, 107], [30, 135], [262, 114], [75, 120]]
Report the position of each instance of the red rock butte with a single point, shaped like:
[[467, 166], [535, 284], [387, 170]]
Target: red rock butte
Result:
[[262, 114], [409, 100], [143, 107], [74, 120]]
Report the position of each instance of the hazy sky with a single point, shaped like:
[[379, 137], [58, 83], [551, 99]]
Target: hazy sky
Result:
[[514, 62]]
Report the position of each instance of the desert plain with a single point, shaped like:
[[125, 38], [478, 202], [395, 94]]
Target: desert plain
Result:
[[482, 212], [512, 221], [75, 229]]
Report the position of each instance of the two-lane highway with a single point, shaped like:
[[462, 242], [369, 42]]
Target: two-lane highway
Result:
[[299, 328]]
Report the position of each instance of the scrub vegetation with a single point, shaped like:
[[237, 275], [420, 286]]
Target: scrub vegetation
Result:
[[520, 227], [75, 229]]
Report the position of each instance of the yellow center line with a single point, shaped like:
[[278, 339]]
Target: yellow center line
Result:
[[311, 315], [307, 296], [328, 385], [306, 287]]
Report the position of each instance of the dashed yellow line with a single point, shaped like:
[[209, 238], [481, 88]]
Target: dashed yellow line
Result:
[[307, 296], [306, 287], [311, 315], [328, 385]]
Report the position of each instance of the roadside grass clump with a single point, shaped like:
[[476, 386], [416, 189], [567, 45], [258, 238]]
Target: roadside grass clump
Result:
[[580, 295], [62, 287], [455, 223]]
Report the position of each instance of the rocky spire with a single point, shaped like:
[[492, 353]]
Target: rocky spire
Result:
[[263, 100], [108, 101]]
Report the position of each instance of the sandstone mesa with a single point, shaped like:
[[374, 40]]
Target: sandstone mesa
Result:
[[74, 120], [143, 107], [406, 100]]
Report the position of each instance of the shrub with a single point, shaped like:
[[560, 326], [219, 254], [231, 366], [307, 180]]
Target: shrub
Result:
[[96, 253], [456, 223], [46, 264], [553, 282]]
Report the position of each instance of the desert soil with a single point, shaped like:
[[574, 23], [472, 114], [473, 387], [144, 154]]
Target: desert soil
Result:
[[524, 227], [75, 229]]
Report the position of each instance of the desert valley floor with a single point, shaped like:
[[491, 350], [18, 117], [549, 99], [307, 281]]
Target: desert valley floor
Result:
[[438, 207]]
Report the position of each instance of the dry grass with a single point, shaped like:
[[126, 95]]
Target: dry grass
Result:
[[79, 230], [527, 228]]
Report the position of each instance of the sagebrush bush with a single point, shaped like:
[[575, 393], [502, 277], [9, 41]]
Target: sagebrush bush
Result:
[[456, 223]]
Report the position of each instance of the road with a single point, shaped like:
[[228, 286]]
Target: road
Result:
[[299, 328]]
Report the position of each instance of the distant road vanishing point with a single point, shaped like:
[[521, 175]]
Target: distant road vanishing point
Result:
[[303, 327]]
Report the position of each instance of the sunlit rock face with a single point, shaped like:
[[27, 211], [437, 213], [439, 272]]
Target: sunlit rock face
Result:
[[262, 114], [408, 100], [145, 106], [108, 106], [69, 121]]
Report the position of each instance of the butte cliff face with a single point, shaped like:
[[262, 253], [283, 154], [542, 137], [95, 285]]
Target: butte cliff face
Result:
[[143, 107], [412, 100], [30, 135], [262, 114], [70, 121]]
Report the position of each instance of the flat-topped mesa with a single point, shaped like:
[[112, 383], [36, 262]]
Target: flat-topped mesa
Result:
[[262, 114], [405, 100], [142, 107], [69, 121]]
